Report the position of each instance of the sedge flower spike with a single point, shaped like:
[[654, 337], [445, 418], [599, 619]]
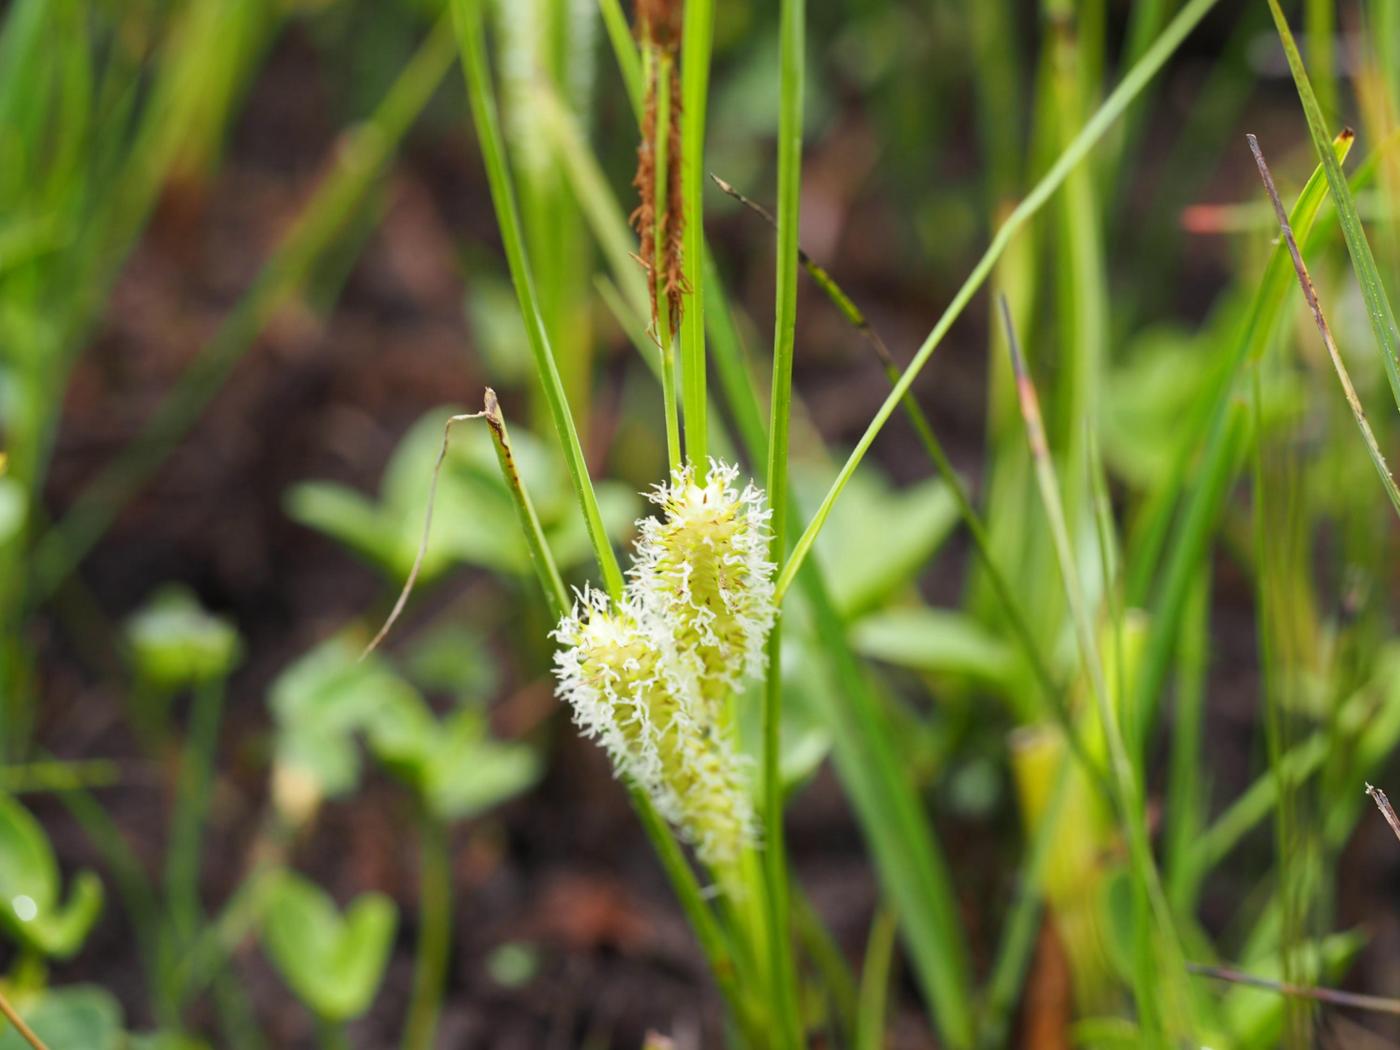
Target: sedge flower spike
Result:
[[610, 671], [702, 571], [650, 677]]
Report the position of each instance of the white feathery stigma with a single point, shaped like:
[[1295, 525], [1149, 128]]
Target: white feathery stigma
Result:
[[650, 677]]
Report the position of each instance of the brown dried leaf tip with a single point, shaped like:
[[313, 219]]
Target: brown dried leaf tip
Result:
[[659, 23], [659, 32]]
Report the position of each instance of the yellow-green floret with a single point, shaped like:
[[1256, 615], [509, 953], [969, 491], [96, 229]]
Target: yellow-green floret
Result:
[[653, 724]]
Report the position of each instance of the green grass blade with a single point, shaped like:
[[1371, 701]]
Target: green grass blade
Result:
[[1378, 308], [1022, 923], [1152, 985], [1221, 462], [910, 862], [696, 42], [875, 981], [1373, 448], [471, 39], [1128, 88], [540, 555], [628, 64], [793, 31]]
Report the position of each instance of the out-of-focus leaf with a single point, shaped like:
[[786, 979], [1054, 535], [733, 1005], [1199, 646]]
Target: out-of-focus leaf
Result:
[[453, 658], [175, 642], [877, 539], [30, 908], [457, 769], [321, 701], [471, 773], [165, 1041], [345, 515], [12, 507], [333, 963], [1253, 1018], [933, 641], [77, 1016]]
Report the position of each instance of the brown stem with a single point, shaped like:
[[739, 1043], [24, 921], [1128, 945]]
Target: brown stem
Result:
[[27, 1033], [1332, 996]]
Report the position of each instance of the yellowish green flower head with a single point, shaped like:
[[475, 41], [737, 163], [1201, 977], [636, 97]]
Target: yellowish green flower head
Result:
[[650, 677], [654, 729], [702, 569]]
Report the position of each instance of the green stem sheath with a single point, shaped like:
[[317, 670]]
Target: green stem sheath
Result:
[[434, 936]]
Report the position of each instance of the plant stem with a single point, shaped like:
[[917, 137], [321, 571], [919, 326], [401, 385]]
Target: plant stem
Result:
[[696, 41], [1089, 135], [658, 64], [331, 1034], [191, 805], [782, 976], [26, 1033], [434, 936], [540, 555], [1124, 778], [471, 39], [1378, 308]]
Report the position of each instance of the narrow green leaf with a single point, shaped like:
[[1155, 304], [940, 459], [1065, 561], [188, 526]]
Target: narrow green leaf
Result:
[[1378, 308]]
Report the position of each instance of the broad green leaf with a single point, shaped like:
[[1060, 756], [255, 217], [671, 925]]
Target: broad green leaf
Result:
[[30, 907], [175, 642], [76, 1016], [934, 641], [333, 963]]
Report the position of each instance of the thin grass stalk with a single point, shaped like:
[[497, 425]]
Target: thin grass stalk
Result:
[[875, 981], [359, 162], [1320, 28], [628, 64], [911, 865], [467, 17], [1089, 135], [1305, 281], [1128, 794], [471, 40], [1378, 308], [977, 530], [434, 935], [1079, 269], [1017, 942], [829, 961], [191, 807], [551, 582], [1185, 797], [793, 29], [1273, 531], [657, 63], [1329, 996], [737, 381], [1227, 430], [10, 1014], [696, 43]]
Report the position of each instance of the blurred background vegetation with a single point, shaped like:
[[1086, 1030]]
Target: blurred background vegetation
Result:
[[248, 266]]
